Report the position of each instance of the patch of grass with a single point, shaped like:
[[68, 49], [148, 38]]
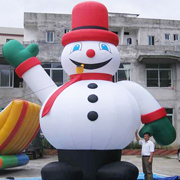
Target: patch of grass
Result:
[[46, 144], [157, 146], [133, 145]]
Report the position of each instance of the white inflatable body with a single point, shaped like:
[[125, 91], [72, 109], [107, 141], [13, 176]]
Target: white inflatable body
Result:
[[67, 125], [118, 106]]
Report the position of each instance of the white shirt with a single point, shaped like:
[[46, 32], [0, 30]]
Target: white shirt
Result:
[[147, 147]]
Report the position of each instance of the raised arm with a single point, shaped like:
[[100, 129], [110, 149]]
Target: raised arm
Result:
[[137, 137], [28, 67], [152, 114]]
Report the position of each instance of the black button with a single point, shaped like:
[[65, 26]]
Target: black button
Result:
[[92, 115], [92, 86], [92, 98]]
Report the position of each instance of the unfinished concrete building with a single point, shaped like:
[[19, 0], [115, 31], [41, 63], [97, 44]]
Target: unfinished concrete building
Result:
[[149, 50]]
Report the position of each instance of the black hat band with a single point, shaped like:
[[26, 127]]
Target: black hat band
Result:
[[90, 27]]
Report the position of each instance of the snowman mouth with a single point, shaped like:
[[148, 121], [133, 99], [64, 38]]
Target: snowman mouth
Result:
[[92, 66]]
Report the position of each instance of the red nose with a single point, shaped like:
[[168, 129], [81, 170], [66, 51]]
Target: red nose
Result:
[[90, 53]]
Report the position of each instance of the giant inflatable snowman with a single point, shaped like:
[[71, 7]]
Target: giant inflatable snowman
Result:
[[90, 119]]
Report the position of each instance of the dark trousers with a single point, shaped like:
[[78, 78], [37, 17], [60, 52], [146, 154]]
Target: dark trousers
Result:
[[147, 168]]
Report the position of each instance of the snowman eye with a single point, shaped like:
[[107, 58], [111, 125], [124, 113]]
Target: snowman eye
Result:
[[76, 47], [104, 46]]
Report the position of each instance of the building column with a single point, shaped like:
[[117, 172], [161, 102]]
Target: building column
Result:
[[122, 36], [138, 37]]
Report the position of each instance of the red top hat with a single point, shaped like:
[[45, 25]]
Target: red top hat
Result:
[[90, 23]]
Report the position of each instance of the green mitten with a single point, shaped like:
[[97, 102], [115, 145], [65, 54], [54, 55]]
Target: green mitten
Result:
[[15, 53], [162, 131]]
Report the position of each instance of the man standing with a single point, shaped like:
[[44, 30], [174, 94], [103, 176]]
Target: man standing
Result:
[[147, 154]]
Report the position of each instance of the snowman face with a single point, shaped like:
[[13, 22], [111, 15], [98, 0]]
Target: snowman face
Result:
[[94, 56]]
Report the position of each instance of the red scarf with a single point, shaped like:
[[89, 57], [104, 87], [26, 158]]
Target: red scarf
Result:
[[74, 78]]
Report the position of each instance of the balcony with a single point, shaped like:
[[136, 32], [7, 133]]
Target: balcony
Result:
[[142, 52]]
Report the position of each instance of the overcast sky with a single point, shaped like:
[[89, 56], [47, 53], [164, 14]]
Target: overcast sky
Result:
[[12, 11]]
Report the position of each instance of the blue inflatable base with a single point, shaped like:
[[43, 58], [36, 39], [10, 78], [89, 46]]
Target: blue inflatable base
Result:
[[140, 177], [160, 177]]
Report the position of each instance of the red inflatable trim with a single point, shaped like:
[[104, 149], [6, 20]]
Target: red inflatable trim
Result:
[[89, 14], [26, 65], [1, 163], [153, 116], [90, 35], [93, 76], [17, 126], [51, 100], [73, 78]]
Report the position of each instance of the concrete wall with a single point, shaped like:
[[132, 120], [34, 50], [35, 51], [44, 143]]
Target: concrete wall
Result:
[[159, 35], [146, 27], [9, 94], [11, 33], [132, 34], [30, 33]]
